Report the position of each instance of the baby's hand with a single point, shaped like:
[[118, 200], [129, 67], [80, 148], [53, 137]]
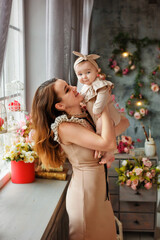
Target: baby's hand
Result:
[[108, 158]]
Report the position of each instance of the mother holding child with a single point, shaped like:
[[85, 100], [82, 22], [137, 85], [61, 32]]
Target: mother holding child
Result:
[[62, 126]]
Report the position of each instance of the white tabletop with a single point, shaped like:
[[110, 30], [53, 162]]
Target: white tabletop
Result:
[[25, 209]]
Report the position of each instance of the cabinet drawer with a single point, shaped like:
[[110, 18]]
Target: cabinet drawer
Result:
[[111, 170], [142, 195], [113, 186], [115, 202], [137, 221], [141, 207]]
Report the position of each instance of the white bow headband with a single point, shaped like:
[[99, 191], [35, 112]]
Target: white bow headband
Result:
[[91, 58]]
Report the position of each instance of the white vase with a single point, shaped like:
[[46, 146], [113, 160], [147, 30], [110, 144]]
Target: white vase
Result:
[[150, 148]]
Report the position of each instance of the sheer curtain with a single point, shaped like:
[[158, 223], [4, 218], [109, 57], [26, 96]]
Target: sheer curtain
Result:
[[63, 21], [5, 11], [87, 12], [67, 29]]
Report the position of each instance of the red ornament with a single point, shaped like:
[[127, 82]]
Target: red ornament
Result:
[[1, 121], [14, 106]]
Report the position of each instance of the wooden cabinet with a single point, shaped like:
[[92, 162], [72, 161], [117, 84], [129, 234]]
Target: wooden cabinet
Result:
[[135, 209]]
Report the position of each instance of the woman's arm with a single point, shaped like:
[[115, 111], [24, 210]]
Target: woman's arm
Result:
[[77, 134]]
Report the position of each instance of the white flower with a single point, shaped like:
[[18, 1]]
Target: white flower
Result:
[[158, 167], [116, 69], [132, 67], [124, 163], [24, 127], [29, 159]]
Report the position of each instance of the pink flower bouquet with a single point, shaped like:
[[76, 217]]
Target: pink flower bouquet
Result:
[[138, 173], [125, 144]]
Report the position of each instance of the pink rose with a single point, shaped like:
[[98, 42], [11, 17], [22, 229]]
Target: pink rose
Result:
[[131, 113], [122, 110], [128, 182], [147, 111], [137, 115], [126, 150], [148, 163], [113, 97], [141, 179], [148, 185], [154, 72], [131, 173], [134, 187], [117, 105], [123, 138], [138, 171], [132, 96], [129, 140], [149, 175], [142, 111], [153, 172], [125, 71], [154, 87], [135, 182]]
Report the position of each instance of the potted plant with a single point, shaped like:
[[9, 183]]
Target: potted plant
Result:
[[22, 156]]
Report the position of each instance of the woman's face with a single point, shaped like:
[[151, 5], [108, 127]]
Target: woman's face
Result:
[[68, 95]]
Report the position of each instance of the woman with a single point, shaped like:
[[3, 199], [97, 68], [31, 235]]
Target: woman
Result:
[[90, 214]]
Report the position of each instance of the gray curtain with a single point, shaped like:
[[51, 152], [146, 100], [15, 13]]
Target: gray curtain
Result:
[[63, 31], [5, 11], [87, 13]]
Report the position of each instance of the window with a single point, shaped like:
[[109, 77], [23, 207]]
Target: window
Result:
[[12, 84]]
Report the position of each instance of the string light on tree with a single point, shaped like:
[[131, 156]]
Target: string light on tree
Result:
[[125, 54]]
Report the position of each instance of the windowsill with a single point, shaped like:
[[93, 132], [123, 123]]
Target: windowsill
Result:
[[4, 178], [26, 209]]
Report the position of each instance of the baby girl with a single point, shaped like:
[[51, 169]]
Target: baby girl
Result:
[[96, 93]]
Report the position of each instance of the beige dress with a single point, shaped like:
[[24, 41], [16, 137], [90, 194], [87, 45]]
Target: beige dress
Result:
[[90, 214]]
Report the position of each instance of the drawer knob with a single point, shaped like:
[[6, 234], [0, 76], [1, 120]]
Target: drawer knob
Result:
[[137, 193], [136, 205], [136, 222]]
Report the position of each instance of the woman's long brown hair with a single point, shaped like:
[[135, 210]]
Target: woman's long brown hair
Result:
[[43, 114]]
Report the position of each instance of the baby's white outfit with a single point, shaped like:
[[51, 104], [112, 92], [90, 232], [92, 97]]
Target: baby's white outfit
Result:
[[96, 98]]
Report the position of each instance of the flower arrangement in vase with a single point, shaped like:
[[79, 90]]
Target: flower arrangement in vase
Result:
[[125, 144], [138, 173], [21, 154]]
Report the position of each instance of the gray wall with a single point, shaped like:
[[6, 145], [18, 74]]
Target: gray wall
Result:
[[35, 18], [140, 19]]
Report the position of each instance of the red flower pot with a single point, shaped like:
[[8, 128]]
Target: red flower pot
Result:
[[22, 172]]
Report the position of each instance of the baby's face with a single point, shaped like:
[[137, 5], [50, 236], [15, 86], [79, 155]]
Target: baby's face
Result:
[[86, 72]]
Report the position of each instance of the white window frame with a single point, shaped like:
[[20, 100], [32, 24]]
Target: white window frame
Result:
[[5, 172]]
